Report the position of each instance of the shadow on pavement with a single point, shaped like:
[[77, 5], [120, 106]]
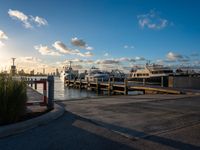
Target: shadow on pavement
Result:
[[68, 132]]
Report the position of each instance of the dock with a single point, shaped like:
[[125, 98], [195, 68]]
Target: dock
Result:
[[112, 87]]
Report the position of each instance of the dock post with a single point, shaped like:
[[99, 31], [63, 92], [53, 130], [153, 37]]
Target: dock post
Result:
[[80, 84], [31, 82], [35, 85], [109, 87], [97, 86], [162, 81], [28, 81], [50, 80], [143, 81], [45, 92], [88, 83], [125, 86]]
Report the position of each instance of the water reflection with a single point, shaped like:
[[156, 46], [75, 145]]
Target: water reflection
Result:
[[62, 92]]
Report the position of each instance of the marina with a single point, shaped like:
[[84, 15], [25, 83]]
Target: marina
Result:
[[100, 75]]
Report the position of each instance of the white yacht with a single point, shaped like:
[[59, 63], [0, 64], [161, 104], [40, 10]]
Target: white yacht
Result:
[[95, 74], [68, 73], [151, 71]]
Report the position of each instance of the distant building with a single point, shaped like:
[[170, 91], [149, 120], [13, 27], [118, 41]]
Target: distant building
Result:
[[32, 72], [57, 72], [43, 71], [21, 72]]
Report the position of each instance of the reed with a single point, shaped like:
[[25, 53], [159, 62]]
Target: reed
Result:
[[13, 99]]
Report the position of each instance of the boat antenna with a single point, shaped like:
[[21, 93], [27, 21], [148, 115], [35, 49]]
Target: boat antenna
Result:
[[70, 64], [148, 62]]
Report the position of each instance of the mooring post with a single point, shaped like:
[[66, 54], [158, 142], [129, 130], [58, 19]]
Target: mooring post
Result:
[[35, 85], [162, 81], [109, 87], [125, 86], [28, 81], [50, 80], [45, 92], [88, 83], [31, 82], [143, 81], [97, 86]]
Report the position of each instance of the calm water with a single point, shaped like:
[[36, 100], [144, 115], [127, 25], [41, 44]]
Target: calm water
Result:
[[62, 92]]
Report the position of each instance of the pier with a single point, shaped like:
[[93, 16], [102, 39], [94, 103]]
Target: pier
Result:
[[125, 87]]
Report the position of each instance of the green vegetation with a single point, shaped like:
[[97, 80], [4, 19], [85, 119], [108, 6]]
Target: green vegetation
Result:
[[13, 99]]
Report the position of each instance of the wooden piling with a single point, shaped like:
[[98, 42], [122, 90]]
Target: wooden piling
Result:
[[31, 82], [125, 86], [97, 86], [109, 87], [35, 85], [162, 81], [143, 81]]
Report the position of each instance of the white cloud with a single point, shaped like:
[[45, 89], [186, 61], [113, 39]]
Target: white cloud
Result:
[[152, 20], [107, 61], [1, 44], [77, 60], [44, 50], [86, 54], [26, 20], [39, 21], [80, 43], [15, 14], [62, 47], [129, 46], [3, 35], [140, 58], [173, 56], [89, 48], [115, 61]]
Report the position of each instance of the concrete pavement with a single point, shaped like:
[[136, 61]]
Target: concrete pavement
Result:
[[119, 122], [158, 119]]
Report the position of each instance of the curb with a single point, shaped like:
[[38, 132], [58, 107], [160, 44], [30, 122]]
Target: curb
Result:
[[32, 123]]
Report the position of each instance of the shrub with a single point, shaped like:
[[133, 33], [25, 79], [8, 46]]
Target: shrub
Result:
[[13, 99]]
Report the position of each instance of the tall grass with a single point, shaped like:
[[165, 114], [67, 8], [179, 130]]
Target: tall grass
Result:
[[13, 99]]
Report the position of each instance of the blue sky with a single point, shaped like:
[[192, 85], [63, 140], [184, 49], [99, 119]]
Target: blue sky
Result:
[[105, 33]]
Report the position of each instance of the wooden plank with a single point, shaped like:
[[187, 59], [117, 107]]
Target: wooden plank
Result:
[[170, 91]]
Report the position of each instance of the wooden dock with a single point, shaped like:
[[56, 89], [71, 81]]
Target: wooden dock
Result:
[[113, 87]]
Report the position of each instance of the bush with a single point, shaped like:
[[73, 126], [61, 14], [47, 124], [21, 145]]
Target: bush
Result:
[[13, 99]]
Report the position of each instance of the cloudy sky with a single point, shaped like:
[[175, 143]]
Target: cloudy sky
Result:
[[101, 33]]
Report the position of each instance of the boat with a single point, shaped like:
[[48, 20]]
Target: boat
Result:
[[118, 75], [95, 74], [68, 73], [151, 71]]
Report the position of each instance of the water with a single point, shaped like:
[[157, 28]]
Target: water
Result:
[[62, 92]]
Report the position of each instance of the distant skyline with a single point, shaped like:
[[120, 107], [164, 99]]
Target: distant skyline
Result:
[[106, 33]]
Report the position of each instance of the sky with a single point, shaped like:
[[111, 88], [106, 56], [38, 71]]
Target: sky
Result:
[[103, 33]]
